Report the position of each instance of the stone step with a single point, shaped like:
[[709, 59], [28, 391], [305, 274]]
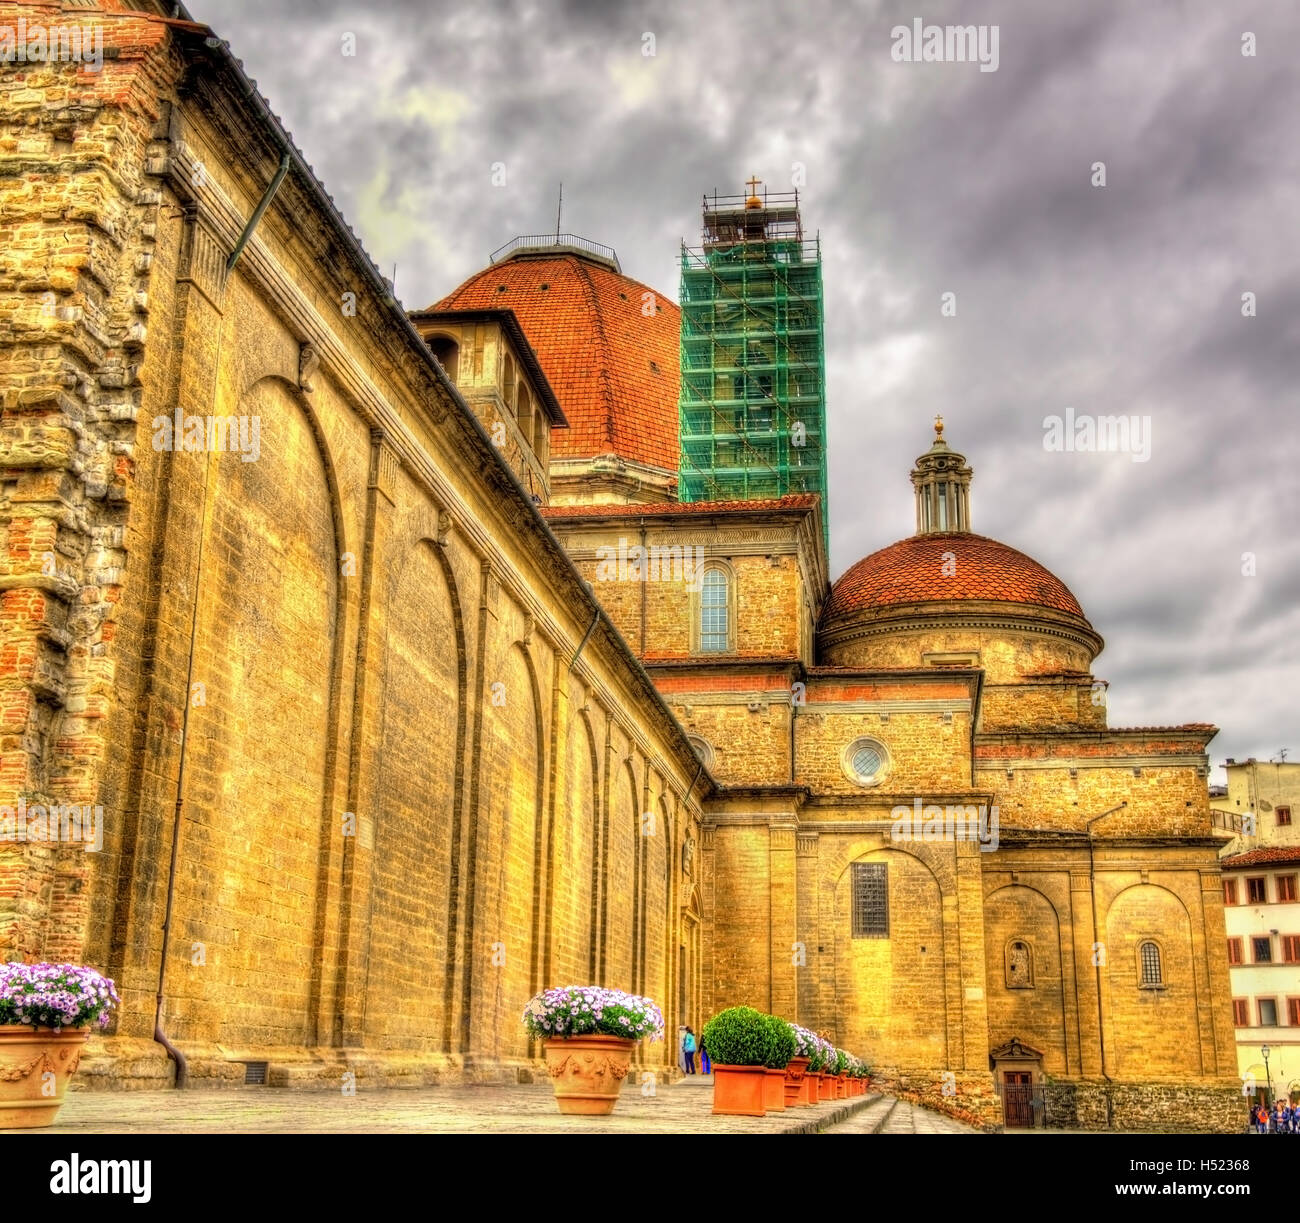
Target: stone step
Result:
[[870, 1120]]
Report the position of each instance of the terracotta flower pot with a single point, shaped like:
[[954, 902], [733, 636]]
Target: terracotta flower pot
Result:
[[27, 1054], [738, 1091], [811, 1089], [774, 1091], [827, 1087], [841, 1087], [587, 1072], [795, 1091]]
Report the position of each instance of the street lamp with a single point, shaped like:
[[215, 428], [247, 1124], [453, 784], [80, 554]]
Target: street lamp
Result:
[[1268, 1082]]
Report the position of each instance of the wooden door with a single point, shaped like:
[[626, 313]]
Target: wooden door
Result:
[[1018, 1099]]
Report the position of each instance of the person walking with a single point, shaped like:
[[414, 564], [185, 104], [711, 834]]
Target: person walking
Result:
[[688, 1047], [706, 1066]]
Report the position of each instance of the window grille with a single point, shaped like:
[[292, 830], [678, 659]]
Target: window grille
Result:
[[1150, 955], [870, 900]]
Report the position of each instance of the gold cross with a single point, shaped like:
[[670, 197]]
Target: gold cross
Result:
[[753, 184]]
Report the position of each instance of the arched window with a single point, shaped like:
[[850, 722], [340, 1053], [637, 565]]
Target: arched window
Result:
[[508, 383], [1020, 965], [448, 353], [1149, 960], [715, 611]]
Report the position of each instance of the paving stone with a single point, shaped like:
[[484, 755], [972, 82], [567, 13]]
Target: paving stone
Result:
[[526, 1109]]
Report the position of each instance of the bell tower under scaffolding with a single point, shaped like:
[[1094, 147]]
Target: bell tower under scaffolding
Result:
[[753, 403]]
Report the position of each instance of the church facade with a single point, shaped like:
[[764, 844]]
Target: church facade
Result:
[[408, 686]]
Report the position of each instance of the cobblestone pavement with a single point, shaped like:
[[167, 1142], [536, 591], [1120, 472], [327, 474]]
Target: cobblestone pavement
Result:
[[885, 1115], [674, 1109]]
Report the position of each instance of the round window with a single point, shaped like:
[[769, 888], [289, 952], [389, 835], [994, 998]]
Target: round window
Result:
[[866, 761], [703, 749]]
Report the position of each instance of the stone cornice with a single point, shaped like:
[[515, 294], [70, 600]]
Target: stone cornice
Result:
[[973, 614]]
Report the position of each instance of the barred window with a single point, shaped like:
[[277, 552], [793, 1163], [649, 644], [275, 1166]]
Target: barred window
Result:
[[1150, 957], [870, 900], [714, 613]]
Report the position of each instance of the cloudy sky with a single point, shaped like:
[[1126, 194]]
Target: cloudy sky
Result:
[[923, 179]]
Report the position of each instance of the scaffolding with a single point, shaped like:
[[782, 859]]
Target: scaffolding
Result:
[[752, 407]]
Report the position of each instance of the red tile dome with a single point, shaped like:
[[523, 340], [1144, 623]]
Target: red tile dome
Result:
[[613, 366], [913, 571]]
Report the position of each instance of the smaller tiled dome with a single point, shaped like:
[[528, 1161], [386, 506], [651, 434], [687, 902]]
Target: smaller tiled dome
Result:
[[919, 570]]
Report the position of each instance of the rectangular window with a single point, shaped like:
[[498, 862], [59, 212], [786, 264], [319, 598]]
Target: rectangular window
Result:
[[1229, 891], [1267, 1012], [1234, 951], [1293, 1012], [1263, 949], [1285, 888], [1256, 891], [1240, 1013], [1283, 816], [1291, 948], [870, 900]]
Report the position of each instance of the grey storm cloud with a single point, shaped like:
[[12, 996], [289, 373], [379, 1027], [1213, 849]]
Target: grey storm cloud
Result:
[[922, 179]]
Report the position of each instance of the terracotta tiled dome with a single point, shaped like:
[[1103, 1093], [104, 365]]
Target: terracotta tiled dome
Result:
[[613, 368], [912, 571]]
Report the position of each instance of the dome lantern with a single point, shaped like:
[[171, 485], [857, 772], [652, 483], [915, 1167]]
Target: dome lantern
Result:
[[941, 480]]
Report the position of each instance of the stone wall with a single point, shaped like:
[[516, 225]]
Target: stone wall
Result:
[[340, 665], [1157, 1107]]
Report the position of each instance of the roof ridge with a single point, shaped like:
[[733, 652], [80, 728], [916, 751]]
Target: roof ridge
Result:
[[607, 352]]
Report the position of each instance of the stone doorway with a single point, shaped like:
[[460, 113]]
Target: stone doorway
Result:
[[1018, 1074]]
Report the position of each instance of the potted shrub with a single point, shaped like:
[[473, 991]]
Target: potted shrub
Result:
[[841, 1075], [816, 1068], [45, 1013], [780, 1050], [738, 1041], [796, 1069], [826, 1085], [587, 1034]]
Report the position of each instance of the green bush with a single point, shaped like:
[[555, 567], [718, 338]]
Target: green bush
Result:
[[782, 1043], [738, 1036]]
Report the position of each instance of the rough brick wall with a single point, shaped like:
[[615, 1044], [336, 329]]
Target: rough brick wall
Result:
[[660, 617], [72, 279]]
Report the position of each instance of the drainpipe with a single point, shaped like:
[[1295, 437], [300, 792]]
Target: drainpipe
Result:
[[582, 645], [159, 1035], [257, 214], [644, 583], [1092, 886]]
